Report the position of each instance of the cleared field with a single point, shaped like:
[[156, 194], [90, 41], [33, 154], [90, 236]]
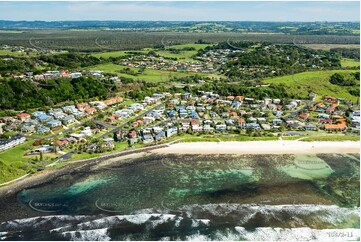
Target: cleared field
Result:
[[147, 75], [317, 81], [349, 63], [15, 53], [106, 55], [184, 55]]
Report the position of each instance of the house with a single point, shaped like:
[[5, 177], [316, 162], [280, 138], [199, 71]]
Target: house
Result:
[[112, 101], [54, 123], [221, 127], [75, 75], [82, 106], [184, 124], [132, 134], [278, 113], [339, 126], [186, 95], [303, 115], [108, 143], [330, 99], [23, 117], [294, 124], [253, 126], [323, 115], [276, 121], [332, 108], [43, 149], [208, 129], [266, 126], [147, 138], [28, 128], [69, 119], [44, 118], [310, 127], [70, 109], [79, 115], [98, 104], [171, 131], [86, 131], [326, 121], [196, 127], [90, 110], [61, 142], [355, 113], [113, 118], [160, 135], [43, 130], [355, 122], [11, 142], [137, 123]]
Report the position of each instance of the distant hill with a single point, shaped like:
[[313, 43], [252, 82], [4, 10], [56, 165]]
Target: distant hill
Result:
[[314, 28]]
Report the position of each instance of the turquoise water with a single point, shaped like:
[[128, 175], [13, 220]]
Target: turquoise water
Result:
[[211, 188]]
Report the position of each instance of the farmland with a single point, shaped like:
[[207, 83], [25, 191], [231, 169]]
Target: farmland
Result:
[[102, 40]]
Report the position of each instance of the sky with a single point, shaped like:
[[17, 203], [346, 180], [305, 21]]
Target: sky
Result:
[[183, 10]]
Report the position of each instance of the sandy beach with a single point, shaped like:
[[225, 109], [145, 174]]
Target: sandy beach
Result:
[[261, 147]]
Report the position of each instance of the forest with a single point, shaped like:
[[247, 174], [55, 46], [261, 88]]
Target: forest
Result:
[[18, 94]]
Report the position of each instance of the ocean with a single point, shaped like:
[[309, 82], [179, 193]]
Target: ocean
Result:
[[194, 197]]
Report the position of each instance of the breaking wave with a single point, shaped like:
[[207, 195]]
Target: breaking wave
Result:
[[196, 222]]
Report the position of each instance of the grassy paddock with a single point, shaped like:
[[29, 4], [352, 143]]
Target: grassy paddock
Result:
[[147, 75], [349, 63], [315, 81]]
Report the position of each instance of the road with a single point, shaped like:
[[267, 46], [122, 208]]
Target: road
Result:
[[68, 155], [129, 122]]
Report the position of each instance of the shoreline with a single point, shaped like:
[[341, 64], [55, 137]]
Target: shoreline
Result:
[[273, 147]]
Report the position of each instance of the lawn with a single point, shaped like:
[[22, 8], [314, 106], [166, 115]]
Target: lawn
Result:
[[218, 138], [119, 146], [147, 75], [349, 63], [332, 138], [14, 164], [315, 81]]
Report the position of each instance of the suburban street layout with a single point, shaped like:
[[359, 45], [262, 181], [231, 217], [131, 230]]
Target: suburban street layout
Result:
[[179, 121]]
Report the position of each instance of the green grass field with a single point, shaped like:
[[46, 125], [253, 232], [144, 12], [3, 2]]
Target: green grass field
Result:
[[349, 63], [14, 164], [182, 56], [332, 138], [315, 81], [15, 53], [147, 75]]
